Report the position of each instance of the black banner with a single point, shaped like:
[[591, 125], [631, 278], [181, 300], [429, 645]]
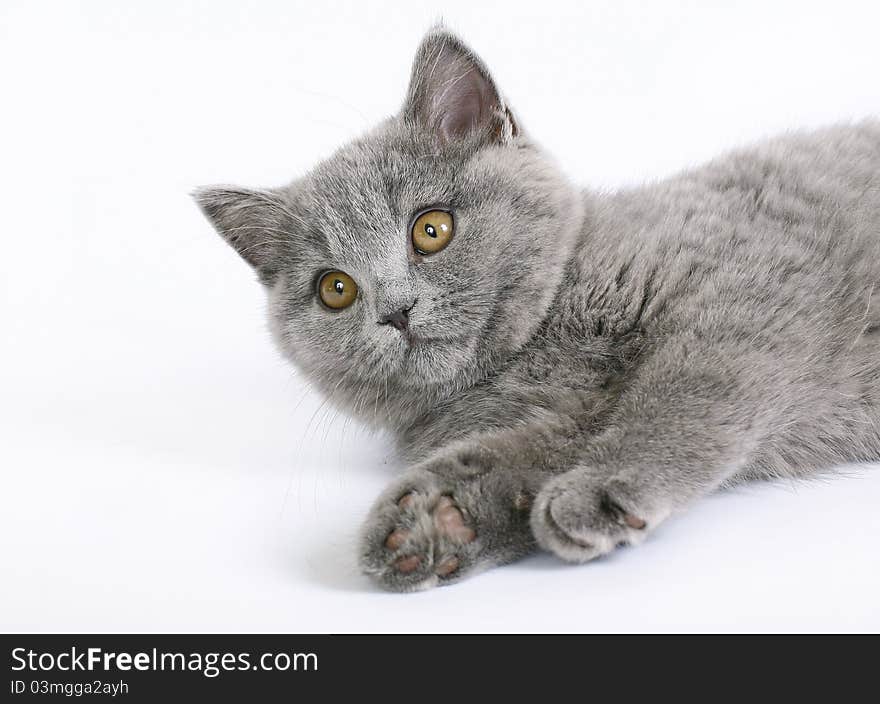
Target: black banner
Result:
[[263, 668]]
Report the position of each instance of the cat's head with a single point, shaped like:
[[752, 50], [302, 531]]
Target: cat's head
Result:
[[416, 259]]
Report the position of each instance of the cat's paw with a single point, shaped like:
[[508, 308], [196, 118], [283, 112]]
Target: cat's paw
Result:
[[580, 517], [418, 536], [453, 516]]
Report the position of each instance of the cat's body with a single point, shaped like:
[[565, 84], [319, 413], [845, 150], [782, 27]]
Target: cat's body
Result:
[[638, 350], [770, 251]]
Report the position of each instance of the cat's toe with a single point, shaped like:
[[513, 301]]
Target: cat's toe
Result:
[[407, 564], [396, 538], [447, 566], [407, 500]]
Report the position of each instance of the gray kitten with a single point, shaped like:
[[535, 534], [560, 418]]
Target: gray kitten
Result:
[[562, 369]]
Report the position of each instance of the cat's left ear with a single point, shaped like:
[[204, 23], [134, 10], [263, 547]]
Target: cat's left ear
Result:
[[452, 93]]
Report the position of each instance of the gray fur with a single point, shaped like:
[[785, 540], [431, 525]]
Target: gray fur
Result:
[[585, 365]]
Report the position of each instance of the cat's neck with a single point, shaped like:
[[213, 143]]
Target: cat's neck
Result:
[[408, 414]]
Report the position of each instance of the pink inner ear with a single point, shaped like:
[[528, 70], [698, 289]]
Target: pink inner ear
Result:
[[467, 101]]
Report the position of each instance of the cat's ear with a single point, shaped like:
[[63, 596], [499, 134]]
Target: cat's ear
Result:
[[252, 221], [452, 93]]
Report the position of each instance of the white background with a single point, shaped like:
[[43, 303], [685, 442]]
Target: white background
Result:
[[163, 470]]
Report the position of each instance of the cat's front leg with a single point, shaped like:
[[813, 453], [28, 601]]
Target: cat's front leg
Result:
[[691, 420], [450, 517]]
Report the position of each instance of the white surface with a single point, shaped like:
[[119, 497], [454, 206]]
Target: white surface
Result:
[[163, 470]]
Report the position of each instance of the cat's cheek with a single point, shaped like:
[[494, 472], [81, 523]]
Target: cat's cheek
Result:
[[276, 318]]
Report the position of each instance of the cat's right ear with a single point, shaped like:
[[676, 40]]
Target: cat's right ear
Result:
[[452, 94], [252, 221]]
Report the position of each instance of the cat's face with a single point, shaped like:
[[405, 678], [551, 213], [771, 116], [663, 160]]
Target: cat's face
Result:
[[417, 258]]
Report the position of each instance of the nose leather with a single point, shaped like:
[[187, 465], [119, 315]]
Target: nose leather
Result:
[[398, 319]]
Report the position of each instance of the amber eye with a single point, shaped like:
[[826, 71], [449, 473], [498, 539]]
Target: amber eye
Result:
[[337, 289], [432, 231]]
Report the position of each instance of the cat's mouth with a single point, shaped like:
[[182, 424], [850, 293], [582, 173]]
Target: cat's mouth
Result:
[[434, 359], [421, 338], [416, 340], [413, 339], [429, 356]]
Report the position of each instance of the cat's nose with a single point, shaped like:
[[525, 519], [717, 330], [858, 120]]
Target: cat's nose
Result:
[[398, 319]]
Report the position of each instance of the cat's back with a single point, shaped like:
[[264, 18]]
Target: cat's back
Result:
[[793, 222], [819, 186]]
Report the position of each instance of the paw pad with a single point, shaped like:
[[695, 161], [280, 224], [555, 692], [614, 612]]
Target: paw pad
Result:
[[448, 523], [408, 564], [396, 538], [447, 566], [634, 521]]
